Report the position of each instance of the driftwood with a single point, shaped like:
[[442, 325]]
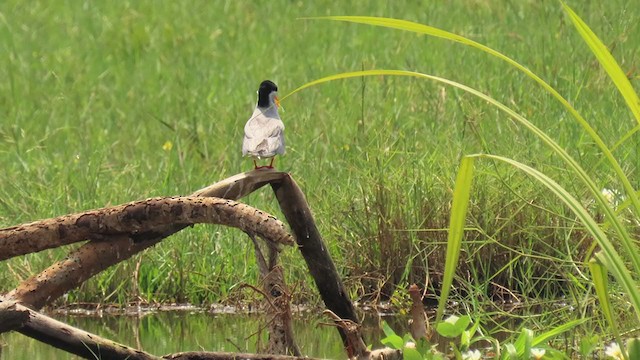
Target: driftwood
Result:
[[73, 340], [296, 210], [11, 316], [118, 233]]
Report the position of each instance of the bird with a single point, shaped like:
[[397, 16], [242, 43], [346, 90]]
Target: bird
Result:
[[264, 131]]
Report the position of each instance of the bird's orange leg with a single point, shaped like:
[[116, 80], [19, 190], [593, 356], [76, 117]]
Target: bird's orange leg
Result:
[[271, 163], [255, 164]]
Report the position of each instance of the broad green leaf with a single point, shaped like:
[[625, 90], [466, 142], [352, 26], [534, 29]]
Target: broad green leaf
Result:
[[588, 345], [510, 352], [387, 330], [524, 341], [393, 341], [411, 354], [457, 220], [408, 338], [453, 326], [598, 267], [633, 348], [549, 334]]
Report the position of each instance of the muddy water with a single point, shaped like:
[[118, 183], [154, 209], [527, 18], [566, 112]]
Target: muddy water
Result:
[[172, 331]]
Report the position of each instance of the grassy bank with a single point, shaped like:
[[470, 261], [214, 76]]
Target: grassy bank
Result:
[[92, 94]]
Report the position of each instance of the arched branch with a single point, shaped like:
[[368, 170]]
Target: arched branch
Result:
[[136, 220], [119, 224]]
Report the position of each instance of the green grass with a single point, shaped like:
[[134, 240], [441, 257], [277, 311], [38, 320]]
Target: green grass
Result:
[[89, 93]]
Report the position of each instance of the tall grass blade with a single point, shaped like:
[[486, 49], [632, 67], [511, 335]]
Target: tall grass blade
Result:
[[601, 284], [618, 268], [633, 348], [547, 335], [524, 342], [432, 31], [459, 208], [598, 267], [625, 137], [613, 260], [607, 61], [630, 248]]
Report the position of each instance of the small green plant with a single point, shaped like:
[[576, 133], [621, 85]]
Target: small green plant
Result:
[[466, 342]]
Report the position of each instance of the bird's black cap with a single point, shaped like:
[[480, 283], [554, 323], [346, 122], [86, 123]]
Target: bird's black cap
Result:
[[266, 87]]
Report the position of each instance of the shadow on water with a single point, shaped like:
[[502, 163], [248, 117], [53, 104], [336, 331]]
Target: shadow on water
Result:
[[171, 331]]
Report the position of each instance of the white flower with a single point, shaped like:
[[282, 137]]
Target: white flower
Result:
[[410, 345], [471, 355], [613, 350], [537, 353], [612, 196]]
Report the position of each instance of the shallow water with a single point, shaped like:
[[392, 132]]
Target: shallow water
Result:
[[167, 332]]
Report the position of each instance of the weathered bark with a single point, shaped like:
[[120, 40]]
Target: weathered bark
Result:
[[277, 303], [205, 355], [11, 317], [77, 267], [296, 210], [132, 219], [122, 248], [75, 341], [141, 216], [241, 185], [115, 244]]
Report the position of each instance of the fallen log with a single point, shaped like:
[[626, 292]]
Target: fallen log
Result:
[[73, 340], [11, 317]]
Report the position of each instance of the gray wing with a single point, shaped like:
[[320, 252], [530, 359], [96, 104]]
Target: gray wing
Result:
[[263, 137]]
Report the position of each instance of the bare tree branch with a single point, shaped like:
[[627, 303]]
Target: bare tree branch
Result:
[[123, 220], [133, 219], [11, 317], [75, 341], [296, 209]]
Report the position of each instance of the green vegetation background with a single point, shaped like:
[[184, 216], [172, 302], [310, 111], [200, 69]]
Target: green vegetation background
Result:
[[93, 93]]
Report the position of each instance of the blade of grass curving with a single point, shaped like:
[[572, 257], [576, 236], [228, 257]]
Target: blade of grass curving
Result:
[[613, 260], [524, 342], [625, 137], [626, 240], [600, 283], [457, 220], [432, 31], [607, 61], [547, 335]]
